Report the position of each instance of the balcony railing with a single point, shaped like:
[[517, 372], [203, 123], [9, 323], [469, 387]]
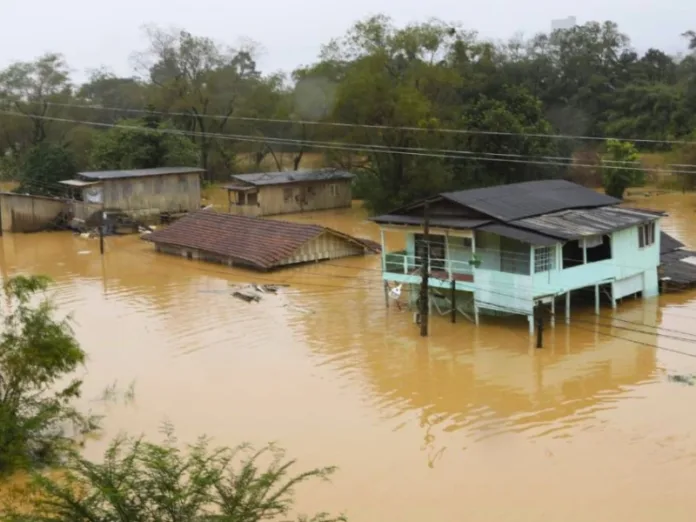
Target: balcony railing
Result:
[[402, 263]]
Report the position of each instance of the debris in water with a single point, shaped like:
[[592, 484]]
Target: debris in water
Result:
[[689, 380], [84, 252], [247, 296]]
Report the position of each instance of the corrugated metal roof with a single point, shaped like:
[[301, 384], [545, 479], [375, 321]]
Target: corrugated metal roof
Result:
[[139, 173], [77, 183], [444, 222], [673, 266], [238, 188], [256, 242], [574, 224], [298, 176], [520, 235], [531, 198]]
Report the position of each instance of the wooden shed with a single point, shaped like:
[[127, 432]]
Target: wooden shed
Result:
[[273, 193], [258, 243], [142, 192]]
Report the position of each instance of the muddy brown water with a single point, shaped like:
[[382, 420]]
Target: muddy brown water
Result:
[[468, 424]]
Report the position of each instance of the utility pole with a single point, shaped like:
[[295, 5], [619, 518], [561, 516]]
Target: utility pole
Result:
[[425, 260], [101, 233], [539, 327]]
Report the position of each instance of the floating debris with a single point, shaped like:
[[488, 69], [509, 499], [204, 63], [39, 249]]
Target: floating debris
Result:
[[689, 380], [248, 297], [84, 252]]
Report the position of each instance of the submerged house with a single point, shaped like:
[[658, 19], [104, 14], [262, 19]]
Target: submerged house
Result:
[[262, 244], [273, 193], [511, 248], [142, 191]]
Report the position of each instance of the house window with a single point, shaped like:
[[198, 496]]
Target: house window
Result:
[[333, 188], [252, 198], [646, 235], [287, 194], [183, 183], [543, 259], [126, 189]]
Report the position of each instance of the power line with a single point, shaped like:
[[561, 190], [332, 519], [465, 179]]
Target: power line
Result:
[[371, 126], [362, 147]]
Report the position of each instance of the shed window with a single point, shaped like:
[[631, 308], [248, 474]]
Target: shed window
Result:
[[287, 194], [126, 189], [544, 259], [183, 183], [333, 188], [159, 185], [646, 235], [252, 198]]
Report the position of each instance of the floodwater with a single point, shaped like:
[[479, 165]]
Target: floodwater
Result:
[[467, 424]]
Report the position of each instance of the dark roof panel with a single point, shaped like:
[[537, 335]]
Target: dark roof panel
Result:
[[438, 221], [532, 198], [674, 266], [668, 243], [574, 224], [139, 173], [257, 242], [519, 234], [299, 176]]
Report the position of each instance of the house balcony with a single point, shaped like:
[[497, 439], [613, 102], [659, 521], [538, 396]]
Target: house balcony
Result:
[[400, 266]]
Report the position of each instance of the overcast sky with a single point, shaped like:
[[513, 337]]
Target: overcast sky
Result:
[[93, 33]]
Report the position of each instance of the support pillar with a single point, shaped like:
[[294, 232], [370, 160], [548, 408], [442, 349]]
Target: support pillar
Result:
[[596, 299], [553, 312], [476, 313], [613, 299], [530, 318], [384, 252], [567, 307], [386, 294]]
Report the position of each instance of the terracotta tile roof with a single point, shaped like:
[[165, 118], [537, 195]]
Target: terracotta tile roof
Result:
[[261, 243]]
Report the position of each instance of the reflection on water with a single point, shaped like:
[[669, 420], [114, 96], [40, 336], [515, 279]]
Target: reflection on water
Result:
[[469, 423]]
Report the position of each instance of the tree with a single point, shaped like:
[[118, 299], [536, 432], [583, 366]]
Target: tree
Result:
[[146, 482], [142, 144], [37, 352], [201, 79], [621, 169], [43, 167]]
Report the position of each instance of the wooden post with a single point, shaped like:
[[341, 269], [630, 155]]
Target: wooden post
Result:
[[596, 299], [540, 327], [425, 261], [386, 294], [454, 301]]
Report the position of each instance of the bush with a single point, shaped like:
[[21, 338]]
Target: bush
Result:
[[36, 352], [145, 482]]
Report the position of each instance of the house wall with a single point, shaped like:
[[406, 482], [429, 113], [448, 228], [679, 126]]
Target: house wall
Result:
[[324, 246], [288, 198], [25, 213], [153, 194]]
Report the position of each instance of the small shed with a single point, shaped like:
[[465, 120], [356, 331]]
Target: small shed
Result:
[[258, 243], [273, 193], [140, 192]]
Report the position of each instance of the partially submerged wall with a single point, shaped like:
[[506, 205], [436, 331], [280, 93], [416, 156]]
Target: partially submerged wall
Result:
[[27, 213]]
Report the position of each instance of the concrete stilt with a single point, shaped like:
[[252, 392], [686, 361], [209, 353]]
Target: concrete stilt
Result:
[[567, 307], [530, 318], [596, 299], [553, 312]]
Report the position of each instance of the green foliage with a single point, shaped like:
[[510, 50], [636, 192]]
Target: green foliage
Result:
[[146, 144], [37, 353], [43, 167], [618, 173], [146, 482]]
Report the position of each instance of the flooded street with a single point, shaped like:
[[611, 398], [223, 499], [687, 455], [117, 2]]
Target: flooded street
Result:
[[471, 423]]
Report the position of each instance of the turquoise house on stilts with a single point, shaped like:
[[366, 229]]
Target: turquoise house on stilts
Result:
[[512, 248]]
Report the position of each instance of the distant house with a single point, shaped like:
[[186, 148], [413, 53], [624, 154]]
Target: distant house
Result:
[[262, 244], [272, 193], [510, 248], [142, 192]]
